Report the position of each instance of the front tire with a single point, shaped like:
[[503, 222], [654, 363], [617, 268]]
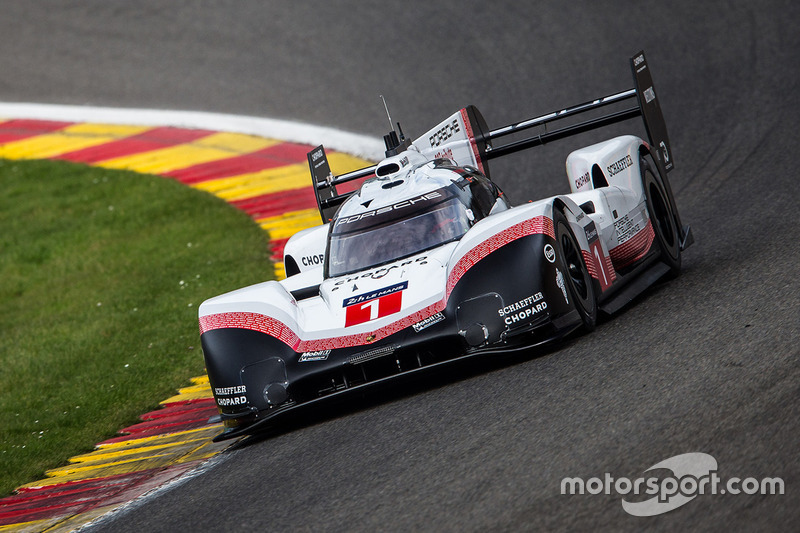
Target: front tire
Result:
[[662, 216], [578, 281]]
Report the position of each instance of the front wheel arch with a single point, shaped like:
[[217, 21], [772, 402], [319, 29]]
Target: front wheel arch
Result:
[[578, 281]]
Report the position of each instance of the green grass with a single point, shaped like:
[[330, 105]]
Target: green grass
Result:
[[101, 274]]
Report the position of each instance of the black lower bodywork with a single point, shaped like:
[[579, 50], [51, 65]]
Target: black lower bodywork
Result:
[[507, 300]]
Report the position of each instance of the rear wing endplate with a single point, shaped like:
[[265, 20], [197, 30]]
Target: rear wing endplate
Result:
[[465, 137], [322, 177], [328, 199]]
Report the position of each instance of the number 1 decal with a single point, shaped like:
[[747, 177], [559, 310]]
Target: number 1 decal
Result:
[[598, 257], [599, 262], [373, 305]]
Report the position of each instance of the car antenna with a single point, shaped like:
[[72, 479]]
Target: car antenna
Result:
[[394, 143], [386, 107]]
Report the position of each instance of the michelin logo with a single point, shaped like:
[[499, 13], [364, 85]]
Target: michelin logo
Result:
[[561, 285]]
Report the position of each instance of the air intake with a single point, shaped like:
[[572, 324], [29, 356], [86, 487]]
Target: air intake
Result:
[[371, 354]]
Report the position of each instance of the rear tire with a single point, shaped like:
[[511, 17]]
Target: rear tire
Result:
[[662, 216], [578, 281]]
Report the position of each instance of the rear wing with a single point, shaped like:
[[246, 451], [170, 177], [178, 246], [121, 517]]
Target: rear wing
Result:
[[465, 138]]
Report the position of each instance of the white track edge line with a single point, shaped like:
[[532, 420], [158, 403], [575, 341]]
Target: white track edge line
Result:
[[126, 507], [352, 143]]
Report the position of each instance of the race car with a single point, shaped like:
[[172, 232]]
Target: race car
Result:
[[428, 263]]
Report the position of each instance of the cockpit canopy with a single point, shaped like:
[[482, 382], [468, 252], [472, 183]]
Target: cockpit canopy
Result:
[[391, 232]]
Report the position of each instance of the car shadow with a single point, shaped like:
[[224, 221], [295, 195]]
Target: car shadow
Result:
[[402, 387]]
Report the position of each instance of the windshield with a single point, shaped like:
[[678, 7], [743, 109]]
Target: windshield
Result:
[[376, 245]]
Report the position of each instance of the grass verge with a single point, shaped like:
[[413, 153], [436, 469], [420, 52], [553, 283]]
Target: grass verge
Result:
[[101, 273]]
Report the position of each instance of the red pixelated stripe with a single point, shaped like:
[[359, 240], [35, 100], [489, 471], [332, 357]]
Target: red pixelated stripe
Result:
[[540, 224], [634, 248], [589, 261], [610, 268], [18, 129], [282, 332], [146, 141], [268, 325], [278, 155], [252, 321], [611, 273]]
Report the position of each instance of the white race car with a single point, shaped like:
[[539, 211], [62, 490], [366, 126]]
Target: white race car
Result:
[[428, 263]]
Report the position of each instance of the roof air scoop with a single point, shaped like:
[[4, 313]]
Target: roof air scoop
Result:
[[387, 170], [395, 141]]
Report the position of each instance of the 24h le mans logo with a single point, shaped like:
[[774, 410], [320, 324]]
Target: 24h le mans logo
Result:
[[373, 305]]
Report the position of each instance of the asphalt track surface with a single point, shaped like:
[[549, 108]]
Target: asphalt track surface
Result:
[[708, 362]]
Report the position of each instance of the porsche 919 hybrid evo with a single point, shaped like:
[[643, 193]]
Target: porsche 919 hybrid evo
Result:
[[428, 263]]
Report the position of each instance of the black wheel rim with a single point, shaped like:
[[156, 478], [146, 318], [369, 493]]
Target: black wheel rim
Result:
[[662, 216], [574, 265]]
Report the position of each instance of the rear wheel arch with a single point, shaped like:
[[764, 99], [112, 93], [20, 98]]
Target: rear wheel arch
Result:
[[663, 216]]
